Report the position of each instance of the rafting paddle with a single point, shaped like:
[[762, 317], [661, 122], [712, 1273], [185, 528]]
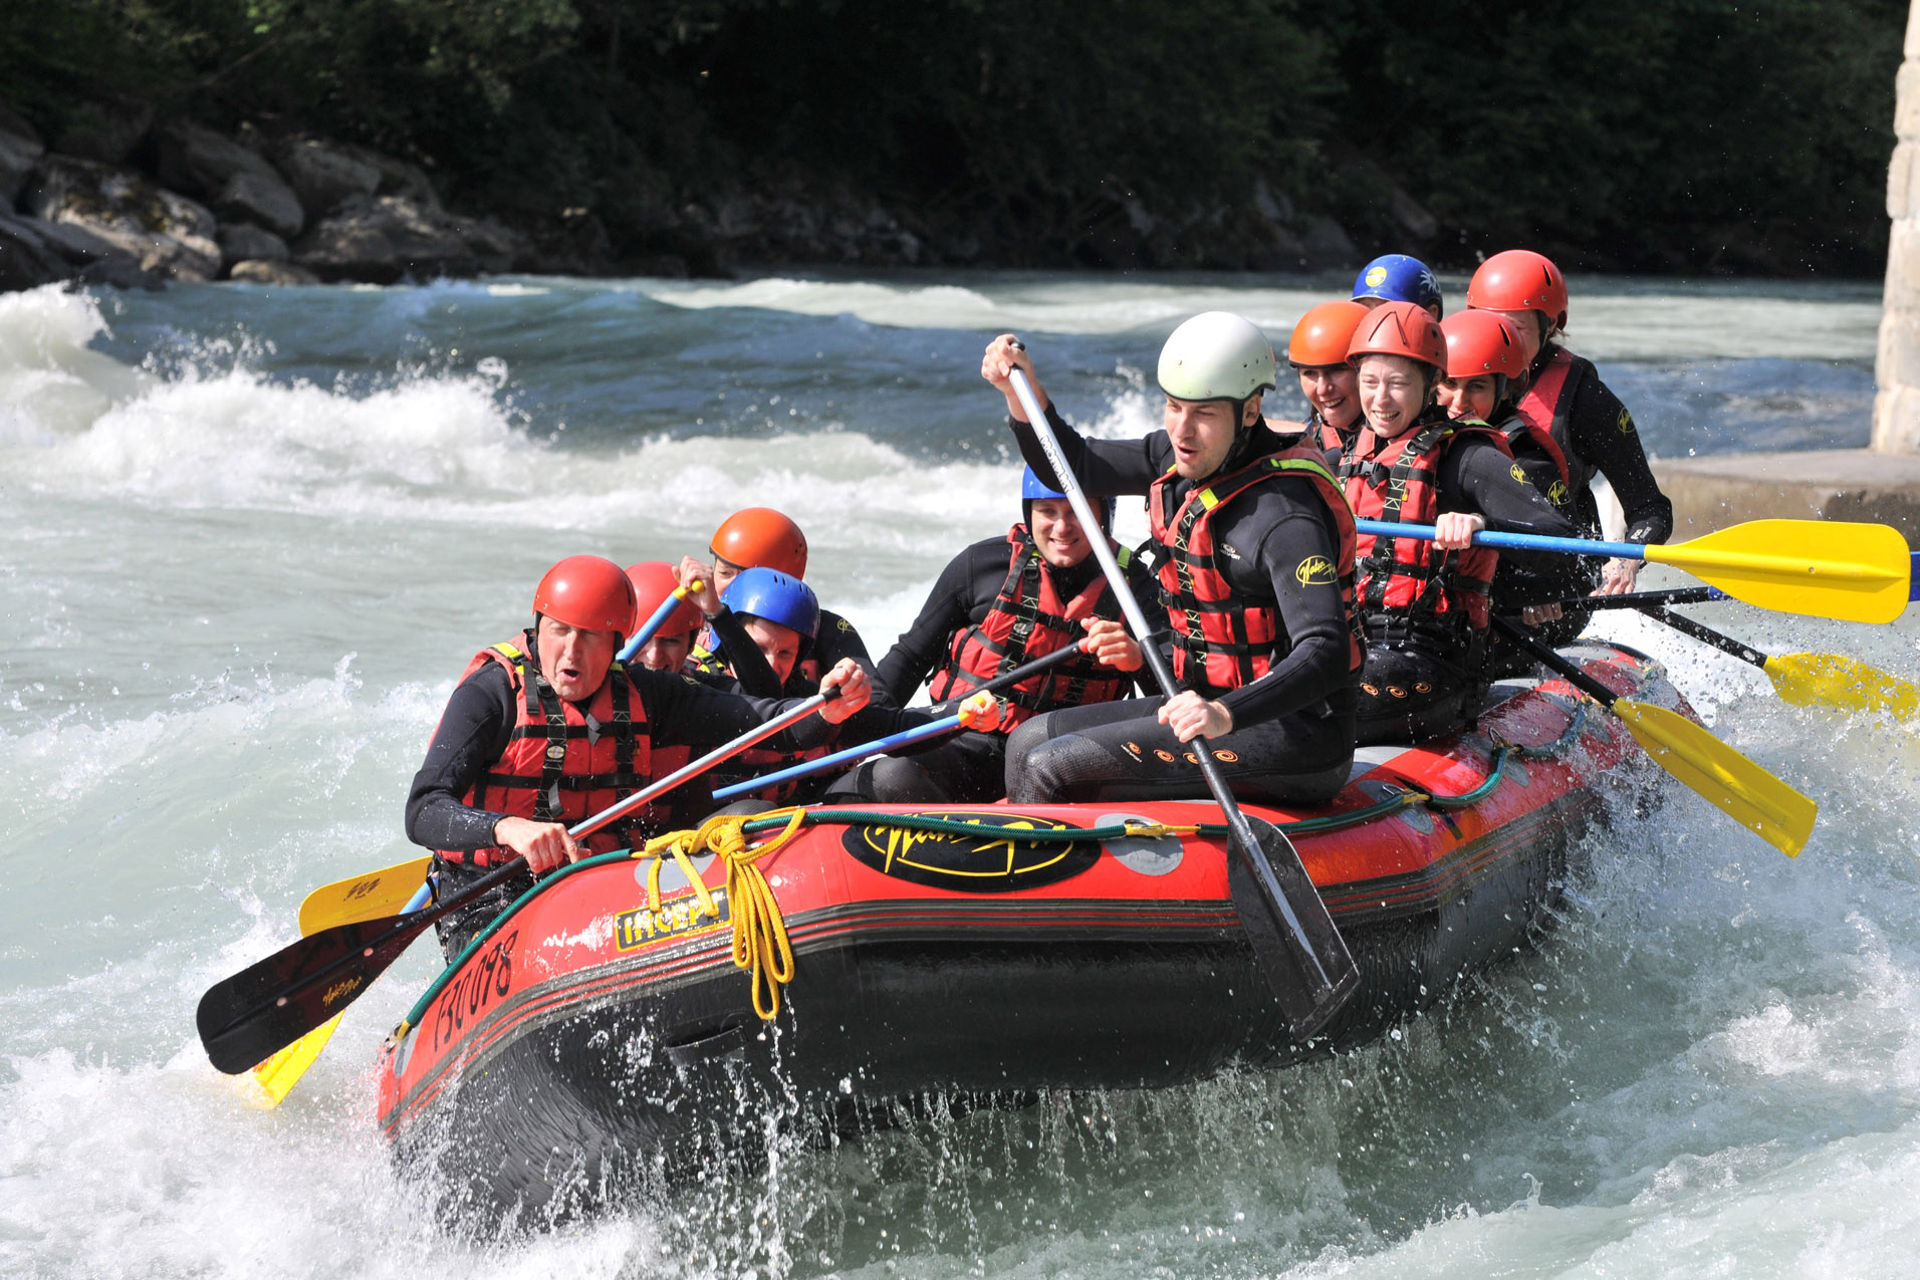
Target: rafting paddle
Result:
[[1826, 568], [1805, 679], [1295, 942], [675, 598], [846, 759], [268, 1005], [1740, 788], [367, 896]]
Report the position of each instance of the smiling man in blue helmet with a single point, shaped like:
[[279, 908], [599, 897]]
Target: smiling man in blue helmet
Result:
[[998, 605], [1255, 543], [1395, 277]]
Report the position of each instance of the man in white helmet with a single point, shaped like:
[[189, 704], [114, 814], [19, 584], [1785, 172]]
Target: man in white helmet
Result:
[[1255, 545]]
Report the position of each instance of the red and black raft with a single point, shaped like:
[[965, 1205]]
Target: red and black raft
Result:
[[602, 1033]]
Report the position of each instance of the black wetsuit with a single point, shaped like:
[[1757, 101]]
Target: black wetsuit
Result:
[[1597, 435], [474, 732], [1417, 679], [819, 654], [966, 766], [1293, 727]]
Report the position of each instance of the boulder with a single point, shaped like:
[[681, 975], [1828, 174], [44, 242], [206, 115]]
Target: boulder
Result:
[[397, 177], [258, 271], [165, 232], [1327, 244], [235, 179], [34, 252], [381, 239], [27, 261], [323, 175], [105, 131], [242, 242], [20, 150]]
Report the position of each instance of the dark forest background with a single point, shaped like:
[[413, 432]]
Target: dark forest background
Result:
[[1645, 135]]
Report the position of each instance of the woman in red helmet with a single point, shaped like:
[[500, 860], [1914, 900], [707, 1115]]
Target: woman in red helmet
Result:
[[547, 729], [1318, 353], [668, 650], [1425, 604], [762, 538], [1565, 397]]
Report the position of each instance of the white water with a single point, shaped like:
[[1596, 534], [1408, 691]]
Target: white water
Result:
[[253, 536]]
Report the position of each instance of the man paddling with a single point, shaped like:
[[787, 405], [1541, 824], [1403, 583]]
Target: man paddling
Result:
[[547, 728], [1257, 568], [998, 605]]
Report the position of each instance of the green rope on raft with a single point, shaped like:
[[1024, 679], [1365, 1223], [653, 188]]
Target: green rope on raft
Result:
[[1112, 831]]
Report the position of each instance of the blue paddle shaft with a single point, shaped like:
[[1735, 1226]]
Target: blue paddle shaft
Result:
[[1515, 541], [651, 625], [839, 759]]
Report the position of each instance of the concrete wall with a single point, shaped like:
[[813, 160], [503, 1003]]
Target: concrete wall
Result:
[[1896, 407]]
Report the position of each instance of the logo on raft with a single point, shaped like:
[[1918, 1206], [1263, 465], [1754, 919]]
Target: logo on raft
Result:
[[997, 860], [642, 925]]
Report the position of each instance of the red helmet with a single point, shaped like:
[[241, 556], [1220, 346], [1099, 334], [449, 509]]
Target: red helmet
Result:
[[1520, 280], [1400, 329], [761, 538], [1480, 342], [1324, 334], [653, 581], [589, 592]]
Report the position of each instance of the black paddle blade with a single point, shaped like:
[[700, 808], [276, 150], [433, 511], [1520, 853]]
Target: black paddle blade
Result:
[[261, 1010], [1305, 961]]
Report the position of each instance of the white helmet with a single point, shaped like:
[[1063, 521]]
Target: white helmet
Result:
[[1216, 355]]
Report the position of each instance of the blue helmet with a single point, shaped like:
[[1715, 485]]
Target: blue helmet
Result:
[[1394, 277], [775, 596], [1032, 486]]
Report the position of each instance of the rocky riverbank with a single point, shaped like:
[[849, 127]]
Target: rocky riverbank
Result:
[[124, 200]]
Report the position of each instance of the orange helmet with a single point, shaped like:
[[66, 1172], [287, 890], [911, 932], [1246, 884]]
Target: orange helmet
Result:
[[761, 538], [1400, 329], [1480, 342], [653, 581], [1520, 280], [589, 592], [1324, 334]]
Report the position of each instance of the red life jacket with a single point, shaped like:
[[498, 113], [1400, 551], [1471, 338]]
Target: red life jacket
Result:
[[1330, 438], [1028, 621], [1397, 481], [1221, 640], [1520, 434], [755, 761], [551, 772], [1547, 409]]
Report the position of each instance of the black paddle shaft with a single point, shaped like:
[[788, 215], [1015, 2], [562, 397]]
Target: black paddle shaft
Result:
[[1556, 662], [267, 1006], [1646, 599]]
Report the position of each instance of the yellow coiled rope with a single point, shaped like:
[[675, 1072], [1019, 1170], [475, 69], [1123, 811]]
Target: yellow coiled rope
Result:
[[760, 943]]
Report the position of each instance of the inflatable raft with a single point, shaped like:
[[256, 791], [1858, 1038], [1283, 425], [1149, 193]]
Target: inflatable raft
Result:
[[606, 1030]]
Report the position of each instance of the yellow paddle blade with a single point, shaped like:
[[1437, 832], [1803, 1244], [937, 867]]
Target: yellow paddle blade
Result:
[[1742, 789], [1827, 568], [269, 1083], [1835, 680], [362, 897]]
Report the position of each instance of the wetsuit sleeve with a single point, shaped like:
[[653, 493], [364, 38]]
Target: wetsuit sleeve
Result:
[[839, 639], [1105, 468], [1603, 434], [1476, 477], [924, 645], [683, 711], [1312, 615], [472, 735], [743, 655]]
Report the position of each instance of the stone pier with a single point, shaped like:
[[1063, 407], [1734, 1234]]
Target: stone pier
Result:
[[1879, 483]]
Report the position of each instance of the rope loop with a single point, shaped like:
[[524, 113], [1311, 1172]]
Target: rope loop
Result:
[[760, 942]]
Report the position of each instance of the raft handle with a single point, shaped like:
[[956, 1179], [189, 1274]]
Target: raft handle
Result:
[[705, 1046]]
